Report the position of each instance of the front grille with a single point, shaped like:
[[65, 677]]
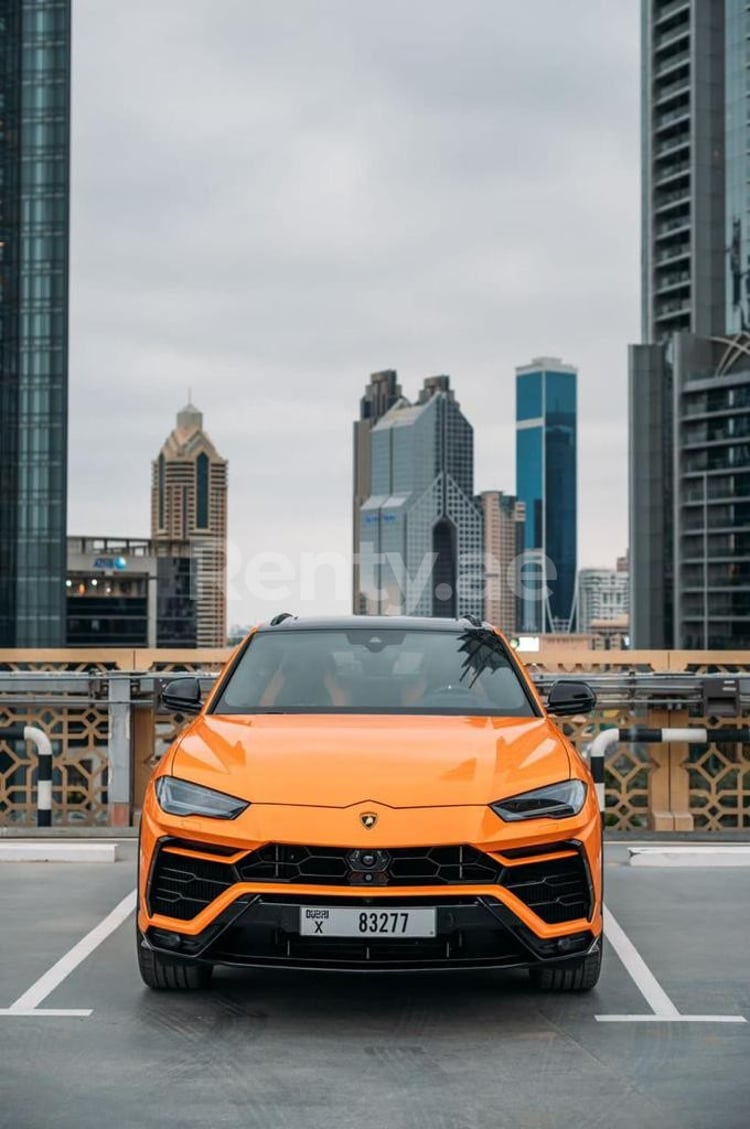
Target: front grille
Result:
[[181, 886], [557, 890], [469, 936], [336, 866]]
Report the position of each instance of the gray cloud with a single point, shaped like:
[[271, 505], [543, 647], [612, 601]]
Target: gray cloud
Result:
[[273, 200]]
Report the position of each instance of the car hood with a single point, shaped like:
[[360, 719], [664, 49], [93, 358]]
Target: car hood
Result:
[[337, 761]]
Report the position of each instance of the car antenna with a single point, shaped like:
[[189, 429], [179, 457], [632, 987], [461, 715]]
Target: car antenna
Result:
[[277, 619]]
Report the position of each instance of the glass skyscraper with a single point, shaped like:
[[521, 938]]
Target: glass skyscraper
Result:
[[546, 483], [381, 393], [34, 201], [421, 530]]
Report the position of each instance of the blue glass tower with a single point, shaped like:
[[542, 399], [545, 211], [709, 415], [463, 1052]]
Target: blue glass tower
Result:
[[546, 482]]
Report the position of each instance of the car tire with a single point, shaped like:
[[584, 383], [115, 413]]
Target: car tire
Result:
[[165, 976], [573, 976]]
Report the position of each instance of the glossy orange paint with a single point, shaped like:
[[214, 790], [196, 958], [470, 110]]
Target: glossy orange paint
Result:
[[429, 780]]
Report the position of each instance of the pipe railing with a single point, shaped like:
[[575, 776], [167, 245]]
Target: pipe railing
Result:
[[43, 746], [606, 740]]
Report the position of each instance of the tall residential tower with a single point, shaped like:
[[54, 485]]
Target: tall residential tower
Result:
[[690, 376], [189, 504], [34, 192]]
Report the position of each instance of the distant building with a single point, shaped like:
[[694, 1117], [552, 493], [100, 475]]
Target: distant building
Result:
[[129, 592], [189, 503], [421, 537], [381, 394], [34, 240], [603, 597], [504, 518], [611, 634], [546, 483]]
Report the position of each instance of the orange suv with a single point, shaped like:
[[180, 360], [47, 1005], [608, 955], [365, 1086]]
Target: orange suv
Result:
[[371, 793]]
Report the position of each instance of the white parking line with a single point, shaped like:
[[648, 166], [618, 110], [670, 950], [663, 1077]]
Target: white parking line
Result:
[[662, 1008], [28, 1003]]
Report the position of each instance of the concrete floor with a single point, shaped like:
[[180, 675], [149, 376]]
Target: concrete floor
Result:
[[463, 1051]]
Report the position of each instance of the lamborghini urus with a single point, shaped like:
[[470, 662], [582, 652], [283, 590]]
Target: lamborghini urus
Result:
[[366, 794]]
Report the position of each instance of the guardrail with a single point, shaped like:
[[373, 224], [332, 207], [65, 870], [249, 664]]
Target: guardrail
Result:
[[99, 711]]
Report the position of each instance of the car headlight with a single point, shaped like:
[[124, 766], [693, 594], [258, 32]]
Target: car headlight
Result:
[[555, 802], [180, 797]]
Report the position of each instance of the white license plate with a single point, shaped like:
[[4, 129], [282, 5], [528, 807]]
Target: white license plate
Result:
[[316, 921]]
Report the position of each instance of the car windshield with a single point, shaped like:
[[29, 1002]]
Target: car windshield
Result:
[[375, 670]]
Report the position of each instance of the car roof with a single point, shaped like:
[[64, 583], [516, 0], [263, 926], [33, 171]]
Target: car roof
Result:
[[371, 622]]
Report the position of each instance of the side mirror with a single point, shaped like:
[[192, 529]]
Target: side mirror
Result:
[[183, 695], [569, 697]]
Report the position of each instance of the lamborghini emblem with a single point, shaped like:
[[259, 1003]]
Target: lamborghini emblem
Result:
[[368, 819]]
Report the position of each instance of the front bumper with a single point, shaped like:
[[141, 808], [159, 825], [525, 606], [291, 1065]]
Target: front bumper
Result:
[[513, 907], [472, 932]]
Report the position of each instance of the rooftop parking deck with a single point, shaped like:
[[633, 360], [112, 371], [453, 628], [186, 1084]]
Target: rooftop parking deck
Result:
[[460, 1051]]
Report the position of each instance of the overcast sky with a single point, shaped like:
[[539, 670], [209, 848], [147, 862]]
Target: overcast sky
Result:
[[273, 199]]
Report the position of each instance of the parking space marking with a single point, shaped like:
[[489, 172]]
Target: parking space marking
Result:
[[662, 1008], [28, 1003]]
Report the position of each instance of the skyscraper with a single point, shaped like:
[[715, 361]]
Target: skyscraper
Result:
[[380, 395], [504, 520], [189, 504], [34, 190], [546, 483], [689, 462], [420, 527]]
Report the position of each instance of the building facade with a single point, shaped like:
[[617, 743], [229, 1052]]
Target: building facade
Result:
[[34, 227], [504, 541], [129, 592], [421, 530], [696, 314], [603, 597], [546, 484], [189, 504], [382, 392]]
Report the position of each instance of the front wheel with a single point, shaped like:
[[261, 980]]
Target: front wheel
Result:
[[161, 975], [573, 976]]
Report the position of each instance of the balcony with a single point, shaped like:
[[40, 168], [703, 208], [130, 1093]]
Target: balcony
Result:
[[662, 41], [672, 144], [666, 66], [665, 201], [678, 280], [670, 172], [667, 228], [669, 117], [679, 87], [671, 10], [667, 311], [673, 254]]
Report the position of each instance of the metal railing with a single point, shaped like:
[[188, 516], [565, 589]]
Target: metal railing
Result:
[[99, 711]]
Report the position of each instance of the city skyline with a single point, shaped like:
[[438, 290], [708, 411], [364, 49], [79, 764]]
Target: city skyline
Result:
[[274, 295]]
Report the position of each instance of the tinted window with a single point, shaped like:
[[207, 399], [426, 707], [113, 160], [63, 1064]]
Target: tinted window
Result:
[[375, 670]]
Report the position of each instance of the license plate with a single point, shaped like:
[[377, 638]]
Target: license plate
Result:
[[315, 921]]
